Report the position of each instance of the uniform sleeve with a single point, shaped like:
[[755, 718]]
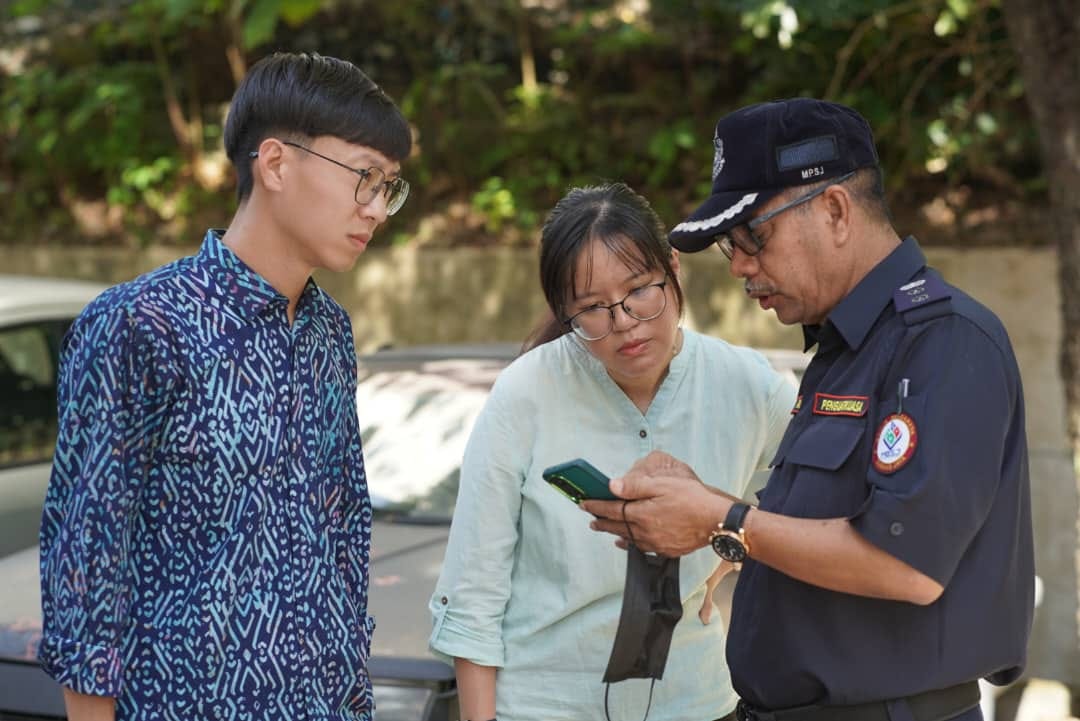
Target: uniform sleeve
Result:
[[473, 589], [965, 403], [102, 452]]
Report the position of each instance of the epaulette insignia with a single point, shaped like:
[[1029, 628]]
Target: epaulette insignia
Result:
[[919, 293]]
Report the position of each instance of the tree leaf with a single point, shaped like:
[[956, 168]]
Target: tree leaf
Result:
[[178, 9], [260, 23], [296, 12]]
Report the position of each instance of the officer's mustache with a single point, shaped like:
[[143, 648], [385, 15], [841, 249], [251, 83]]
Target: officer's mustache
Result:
[[758, 289]]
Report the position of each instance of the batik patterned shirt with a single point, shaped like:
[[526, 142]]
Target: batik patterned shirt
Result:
[[206, 533]]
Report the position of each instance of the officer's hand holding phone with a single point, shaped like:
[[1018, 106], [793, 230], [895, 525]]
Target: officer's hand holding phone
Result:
[[670, 511]]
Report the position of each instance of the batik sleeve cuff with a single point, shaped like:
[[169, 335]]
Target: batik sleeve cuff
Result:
[[81, 667]]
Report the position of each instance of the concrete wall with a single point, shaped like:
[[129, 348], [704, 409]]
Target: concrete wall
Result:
[[405, 296]]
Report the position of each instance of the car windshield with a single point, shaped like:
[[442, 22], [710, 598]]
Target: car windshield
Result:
[[416, 411]]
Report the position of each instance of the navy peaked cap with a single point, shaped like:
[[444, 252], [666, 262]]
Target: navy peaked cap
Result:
[[763, 149]]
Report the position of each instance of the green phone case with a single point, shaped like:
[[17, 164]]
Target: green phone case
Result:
[[579, 481]]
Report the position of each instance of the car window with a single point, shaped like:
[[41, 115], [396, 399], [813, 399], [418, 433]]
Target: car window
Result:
[[28, 386], [28, 367]]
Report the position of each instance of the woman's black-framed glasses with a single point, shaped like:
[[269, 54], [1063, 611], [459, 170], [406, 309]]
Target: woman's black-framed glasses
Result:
[[743, 236], [372, 182], [644, 303]]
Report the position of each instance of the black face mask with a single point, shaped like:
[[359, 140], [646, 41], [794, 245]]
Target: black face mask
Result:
[[651, 608]]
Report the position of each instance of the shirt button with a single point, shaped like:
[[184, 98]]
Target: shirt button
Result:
[[643, 433], [896, 528], [444, 600]]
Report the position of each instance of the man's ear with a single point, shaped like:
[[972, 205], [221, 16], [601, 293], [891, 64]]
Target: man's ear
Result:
[[270, 165], [839, 206]]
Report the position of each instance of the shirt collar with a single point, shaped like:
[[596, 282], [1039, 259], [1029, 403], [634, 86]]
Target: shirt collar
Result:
[[855, 315], [242, 288]]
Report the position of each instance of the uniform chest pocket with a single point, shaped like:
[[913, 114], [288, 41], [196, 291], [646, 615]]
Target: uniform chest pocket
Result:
[[820, 486]]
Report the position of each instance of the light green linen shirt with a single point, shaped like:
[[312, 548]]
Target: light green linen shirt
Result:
[[526, 585]]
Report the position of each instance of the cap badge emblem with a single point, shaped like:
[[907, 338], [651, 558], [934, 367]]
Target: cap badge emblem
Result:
[[718, 158]]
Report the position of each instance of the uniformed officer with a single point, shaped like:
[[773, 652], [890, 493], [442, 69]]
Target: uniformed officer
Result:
[[889, 562]]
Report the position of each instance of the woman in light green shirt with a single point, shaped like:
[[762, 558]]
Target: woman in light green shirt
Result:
[[529, 598]]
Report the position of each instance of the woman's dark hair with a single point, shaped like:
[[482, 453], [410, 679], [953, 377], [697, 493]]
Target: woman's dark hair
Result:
[[612, 214], [303, 96]]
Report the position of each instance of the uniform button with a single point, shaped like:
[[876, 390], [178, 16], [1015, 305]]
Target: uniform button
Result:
[[896, 528], [643, 433], [444, 600]]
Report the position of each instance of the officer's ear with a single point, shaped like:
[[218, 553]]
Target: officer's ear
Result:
[[839, 207]]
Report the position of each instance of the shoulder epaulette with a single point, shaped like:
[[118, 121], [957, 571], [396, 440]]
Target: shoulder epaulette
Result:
[[923, 299]]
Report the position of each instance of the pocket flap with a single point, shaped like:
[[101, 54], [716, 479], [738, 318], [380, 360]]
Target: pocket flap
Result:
[[826, 444]]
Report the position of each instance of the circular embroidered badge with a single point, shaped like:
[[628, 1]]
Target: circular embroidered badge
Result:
[[895, 443]]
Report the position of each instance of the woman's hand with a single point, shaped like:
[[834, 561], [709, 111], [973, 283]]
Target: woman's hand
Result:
[[722, 569]]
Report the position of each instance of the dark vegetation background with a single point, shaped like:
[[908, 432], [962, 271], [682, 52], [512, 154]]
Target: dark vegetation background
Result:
[[111, 112]]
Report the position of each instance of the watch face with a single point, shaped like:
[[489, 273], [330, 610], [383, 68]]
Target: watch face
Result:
[[729, 548]]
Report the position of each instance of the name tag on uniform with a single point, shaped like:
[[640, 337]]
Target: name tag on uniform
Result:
[[830, 405]]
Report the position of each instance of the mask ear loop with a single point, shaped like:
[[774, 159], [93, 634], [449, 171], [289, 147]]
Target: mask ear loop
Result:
[[607, 688], [652, 684]]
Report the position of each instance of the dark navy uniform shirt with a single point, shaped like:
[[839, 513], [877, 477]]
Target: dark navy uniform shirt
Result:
[[207, 530], [941, 483]]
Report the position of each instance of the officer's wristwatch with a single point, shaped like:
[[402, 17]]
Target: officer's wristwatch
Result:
[[729, 540]]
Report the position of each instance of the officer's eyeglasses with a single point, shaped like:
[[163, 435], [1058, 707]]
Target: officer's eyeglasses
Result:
[[372, 182], [644, 303], [745, 238]]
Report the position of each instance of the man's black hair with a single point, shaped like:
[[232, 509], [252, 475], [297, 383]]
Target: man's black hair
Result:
[[304, 96]]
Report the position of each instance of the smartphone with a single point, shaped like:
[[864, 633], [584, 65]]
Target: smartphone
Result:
[[579, 481]]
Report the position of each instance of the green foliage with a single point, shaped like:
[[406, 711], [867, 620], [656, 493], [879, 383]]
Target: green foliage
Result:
[[122, 102], [928, 75], [262, 18], [83, 128], [496, 203]]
